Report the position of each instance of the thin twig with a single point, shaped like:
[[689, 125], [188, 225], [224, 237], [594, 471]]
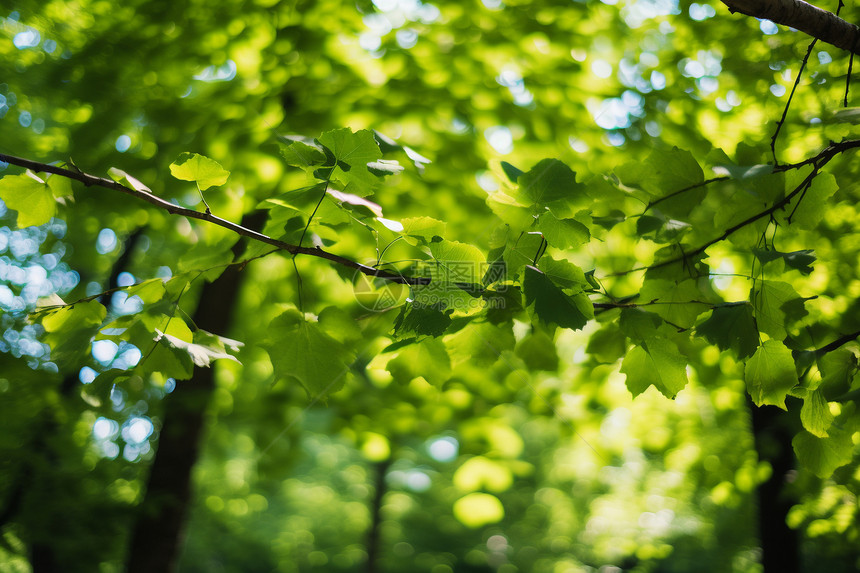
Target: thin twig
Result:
[[684, 190], [788, 103]]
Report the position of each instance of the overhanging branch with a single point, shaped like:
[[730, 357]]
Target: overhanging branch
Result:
[[800, 15], [94, 181]]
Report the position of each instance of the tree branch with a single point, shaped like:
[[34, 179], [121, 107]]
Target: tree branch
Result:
[[817, 162], [94, 181], [802, 16]]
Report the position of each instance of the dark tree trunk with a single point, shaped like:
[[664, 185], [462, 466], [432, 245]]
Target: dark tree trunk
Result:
[[374, 535], [779, 543], [157, 534]]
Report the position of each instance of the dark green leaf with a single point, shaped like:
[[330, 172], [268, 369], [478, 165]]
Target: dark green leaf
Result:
[[731, 328], [550, 305]]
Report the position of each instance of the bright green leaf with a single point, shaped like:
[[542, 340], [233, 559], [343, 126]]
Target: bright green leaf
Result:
[[563, 233], [352, 153], [770, 374], [815, 414], [204, 171], [679, 303], [549, 180], [822, 456], [124, 178], [773, 311], [30, 196], [205, 348], [655, 362]]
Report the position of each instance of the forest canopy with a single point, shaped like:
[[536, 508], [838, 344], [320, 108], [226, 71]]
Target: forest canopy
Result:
[[429, 286]]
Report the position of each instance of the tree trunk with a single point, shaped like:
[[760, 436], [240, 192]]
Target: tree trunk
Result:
[[779, 543], [374, 535], [157, 534]]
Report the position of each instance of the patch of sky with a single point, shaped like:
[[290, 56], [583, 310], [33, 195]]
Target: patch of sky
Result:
[[123, 143], [223, 73], [768, 28], [701, 12], [106, 241], [393, 15], [731, 100], [444, 449], [27, 38], [511, 79], [617, 113], [639, 12], [500, 139]]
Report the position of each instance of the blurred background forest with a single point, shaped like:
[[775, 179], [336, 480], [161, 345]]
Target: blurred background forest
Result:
[[536, 461]]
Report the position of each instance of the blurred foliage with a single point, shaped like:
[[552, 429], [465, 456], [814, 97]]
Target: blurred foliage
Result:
[[504, 436]]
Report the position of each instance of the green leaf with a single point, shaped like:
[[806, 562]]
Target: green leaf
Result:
[[300, 348], [301, 151], [30, 196], [205, 348], [352, 153], [772, 304], [770, 374], [797, 260], [148, 291], [846, 115], [822, 456], [213, 259], [427, 358], [663, 173], [837, 369], [563, 273], [124, 178], [655, 362], [423, 227], [418, 320], [639, 325], [607, 344], [744, 171], [549, 180], [538, 351], [165, 358], [675, 300], [358, 204], [511, 172], [815, 414], [387, 144], [563, 233], [510, 210], [69, 331], [385, 167], [811, 205], [523, 252], [731, 328], [200, 169], [480, 343], [550, 305]]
